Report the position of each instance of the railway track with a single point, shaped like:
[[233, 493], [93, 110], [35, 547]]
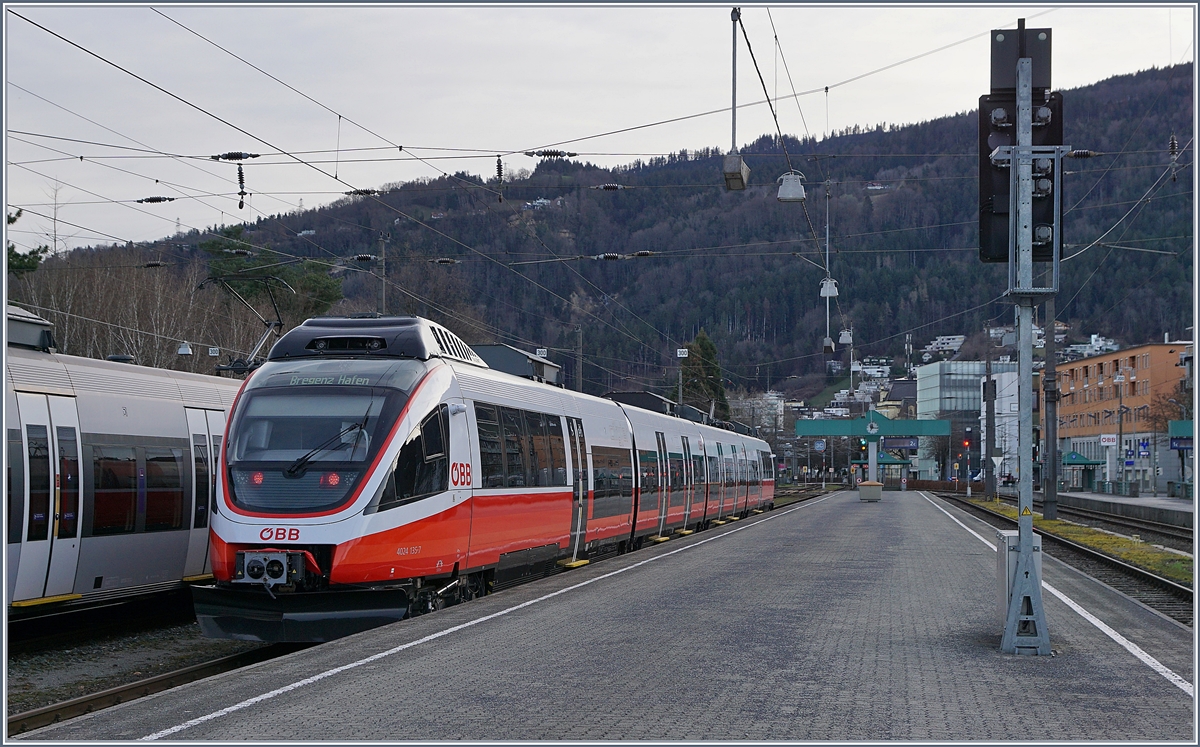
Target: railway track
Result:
[[1175, 537], [39, 717], [1168, 597]]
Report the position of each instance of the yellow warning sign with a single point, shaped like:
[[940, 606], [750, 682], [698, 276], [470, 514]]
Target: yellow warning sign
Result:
[[1026, 512]]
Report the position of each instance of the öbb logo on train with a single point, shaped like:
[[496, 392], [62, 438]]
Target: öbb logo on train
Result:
[[291, 534], [460, 473]]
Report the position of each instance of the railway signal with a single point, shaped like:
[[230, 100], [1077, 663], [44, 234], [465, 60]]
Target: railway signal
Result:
[[998, 128]]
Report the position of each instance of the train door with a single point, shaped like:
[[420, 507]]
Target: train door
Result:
[[15, 491], [688, 482], [50, 546], [204, 431], [577, 446], [664, 485], [722, 474]]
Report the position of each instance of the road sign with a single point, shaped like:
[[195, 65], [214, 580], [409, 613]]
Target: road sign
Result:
[[956, 465], [997, 461], [1128, 462], [1108, 439], [1143, 453], [1144, 444], [819, 445], [1129, 452]]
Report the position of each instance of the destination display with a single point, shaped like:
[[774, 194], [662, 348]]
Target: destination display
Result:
[[900, 442]]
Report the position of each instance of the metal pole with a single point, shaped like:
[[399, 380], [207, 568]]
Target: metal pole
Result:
[[989, 397], [1050, 428], [382, 277], [579, 358], [736, 15], [1025, 624]]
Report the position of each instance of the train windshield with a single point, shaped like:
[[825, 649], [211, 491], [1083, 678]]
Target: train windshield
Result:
[[304, 433]]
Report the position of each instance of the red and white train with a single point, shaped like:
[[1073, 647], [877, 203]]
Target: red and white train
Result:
[[379, 468]]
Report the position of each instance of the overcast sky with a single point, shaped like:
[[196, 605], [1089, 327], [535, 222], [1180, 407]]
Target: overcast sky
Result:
[[488, 78]]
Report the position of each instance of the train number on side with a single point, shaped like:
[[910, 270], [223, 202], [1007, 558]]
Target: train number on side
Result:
[[460, 474], [291, 534]]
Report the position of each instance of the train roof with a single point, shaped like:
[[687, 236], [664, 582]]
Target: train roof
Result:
[[373, 337]]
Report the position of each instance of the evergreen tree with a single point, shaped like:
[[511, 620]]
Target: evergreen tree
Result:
[[702, 382], [28, 262]]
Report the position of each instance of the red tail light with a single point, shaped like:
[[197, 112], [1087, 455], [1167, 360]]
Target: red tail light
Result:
[[330, 480], [256, 478]]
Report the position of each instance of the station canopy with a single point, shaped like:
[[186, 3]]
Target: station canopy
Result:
[[1075, 459], [885, 427]]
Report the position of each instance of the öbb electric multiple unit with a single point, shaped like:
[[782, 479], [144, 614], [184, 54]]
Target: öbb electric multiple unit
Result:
[[378, 468]]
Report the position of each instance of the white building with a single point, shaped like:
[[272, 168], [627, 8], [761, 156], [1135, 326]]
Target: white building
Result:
[[1008, 421]]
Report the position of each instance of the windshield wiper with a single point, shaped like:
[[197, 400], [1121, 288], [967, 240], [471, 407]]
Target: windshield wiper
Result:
[[300, 466]]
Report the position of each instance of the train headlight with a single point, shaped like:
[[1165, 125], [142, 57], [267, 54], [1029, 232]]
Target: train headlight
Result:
[[255, 569]]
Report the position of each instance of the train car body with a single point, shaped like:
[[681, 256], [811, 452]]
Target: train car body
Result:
[[378, 468], [108, 471]]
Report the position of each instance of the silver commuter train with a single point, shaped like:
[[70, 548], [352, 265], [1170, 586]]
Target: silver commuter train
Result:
[[109, 474]]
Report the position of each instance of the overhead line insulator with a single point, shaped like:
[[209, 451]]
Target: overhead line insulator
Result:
[[233, 156], [362, 192], [157, 199]]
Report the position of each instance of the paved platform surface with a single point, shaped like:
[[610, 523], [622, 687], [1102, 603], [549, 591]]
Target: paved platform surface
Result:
[[833, 619], [1160, 501]]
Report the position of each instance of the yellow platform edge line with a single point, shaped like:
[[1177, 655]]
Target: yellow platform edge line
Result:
[[46, 600]]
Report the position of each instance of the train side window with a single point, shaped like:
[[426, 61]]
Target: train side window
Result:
[[537, 446], [515, 470], [39, 482], [16, 486], [200, 465], [114, 470], [648, 469], [491, 456], [68, 492], [419, 471], [558, 450], [164, 489], [612, 481]]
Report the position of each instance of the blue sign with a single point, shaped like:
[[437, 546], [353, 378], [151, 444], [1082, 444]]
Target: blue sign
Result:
[[1143, 453], [1128, 462], [1181, 443], [1129, 452], [819, 445]]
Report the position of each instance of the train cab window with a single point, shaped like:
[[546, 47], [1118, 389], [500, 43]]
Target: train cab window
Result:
[[164, 489], [114, 507], [39, 482], [558, 450], [201, 471], [16, 486], [491, 455], [68, 476], [767, 472], [423, 466]]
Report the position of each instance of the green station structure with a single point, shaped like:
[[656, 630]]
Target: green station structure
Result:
[[874, 428]]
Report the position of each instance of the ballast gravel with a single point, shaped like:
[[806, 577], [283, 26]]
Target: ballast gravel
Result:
[[40, 678]]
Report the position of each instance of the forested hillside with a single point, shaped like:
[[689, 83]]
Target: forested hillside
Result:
[[903, 212]]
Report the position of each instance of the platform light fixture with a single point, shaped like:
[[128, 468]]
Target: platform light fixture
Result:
[[184, 349]]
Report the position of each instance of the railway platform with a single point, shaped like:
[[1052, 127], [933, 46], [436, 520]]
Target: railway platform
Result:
[[828, 620]]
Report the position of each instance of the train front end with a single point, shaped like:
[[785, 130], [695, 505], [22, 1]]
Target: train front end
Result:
[[315, 533]]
